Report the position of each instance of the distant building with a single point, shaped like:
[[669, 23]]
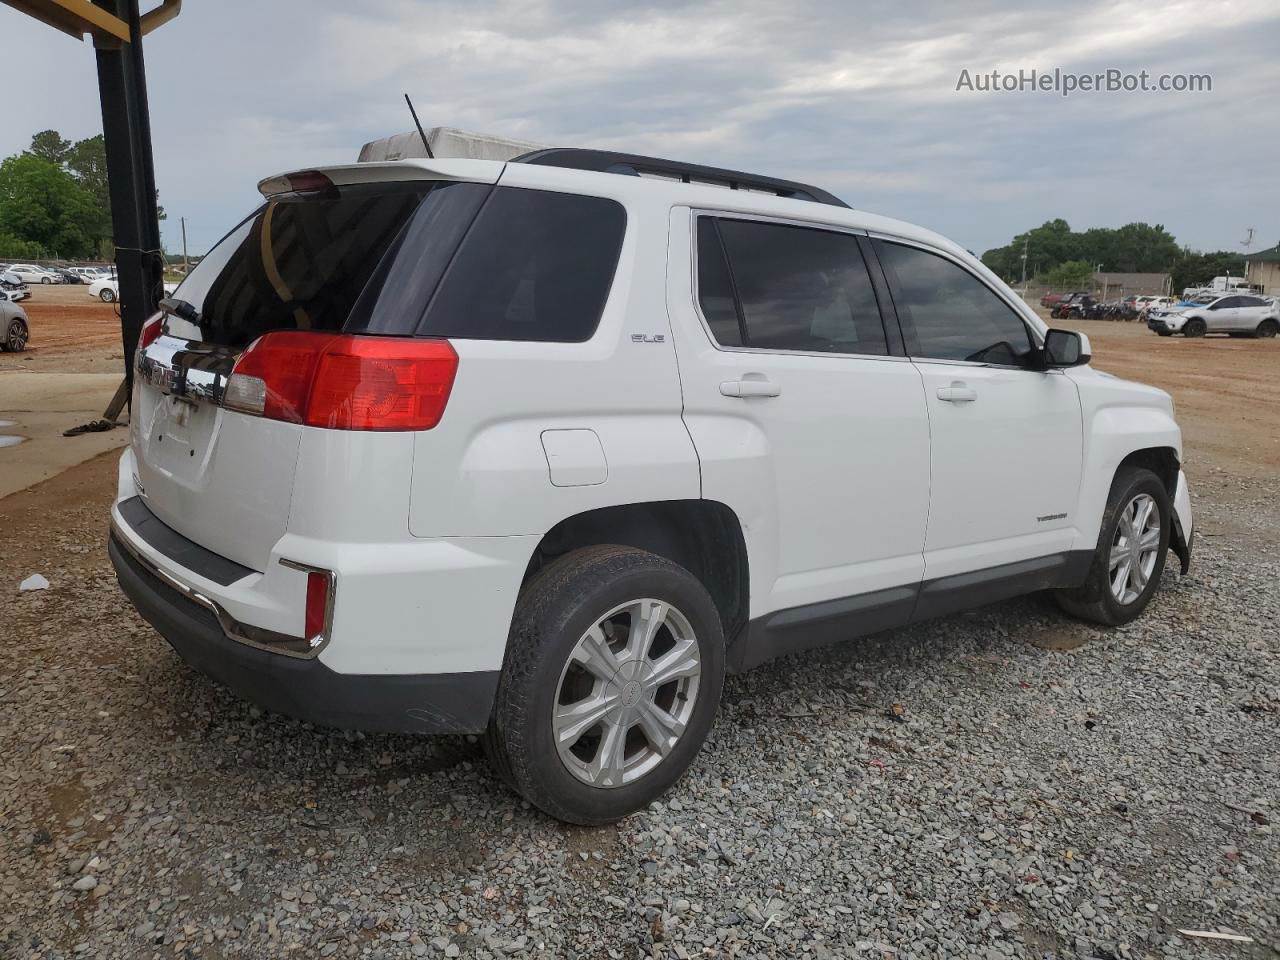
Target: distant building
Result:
[[1263, 269], [1114, 285]]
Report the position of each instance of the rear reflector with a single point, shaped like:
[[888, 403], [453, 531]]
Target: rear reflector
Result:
[[317, 613], [344, 382], [150, 330]]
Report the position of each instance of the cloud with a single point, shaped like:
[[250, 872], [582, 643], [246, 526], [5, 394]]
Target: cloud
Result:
[[859, 98]]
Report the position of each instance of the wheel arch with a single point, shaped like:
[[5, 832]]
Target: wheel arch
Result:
[[703, 536]]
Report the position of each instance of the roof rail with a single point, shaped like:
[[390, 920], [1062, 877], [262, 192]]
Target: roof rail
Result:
[[634, 165]]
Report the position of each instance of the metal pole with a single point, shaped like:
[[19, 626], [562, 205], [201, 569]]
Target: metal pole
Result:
[[126, 131], [185, 266]]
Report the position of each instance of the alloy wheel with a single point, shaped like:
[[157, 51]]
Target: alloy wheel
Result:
[[626, 693], [17, 339], [1135, 548]]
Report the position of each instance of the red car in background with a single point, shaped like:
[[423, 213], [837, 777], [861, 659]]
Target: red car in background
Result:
[[1051, 300]]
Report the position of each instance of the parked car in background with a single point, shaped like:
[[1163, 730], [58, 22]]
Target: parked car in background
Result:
[[68, 275], [1234, 314], [540, 451], [1158, 303], [12, 285], [30, 273], [107, 289], [1078, 305], [1053, 299], [14, 331]]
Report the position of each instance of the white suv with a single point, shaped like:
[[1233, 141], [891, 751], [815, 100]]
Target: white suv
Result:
[[542, 449], [1238, 315]]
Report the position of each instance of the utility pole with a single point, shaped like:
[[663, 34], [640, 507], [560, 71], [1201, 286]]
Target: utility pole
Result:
[[1024, 264], [185, 267]]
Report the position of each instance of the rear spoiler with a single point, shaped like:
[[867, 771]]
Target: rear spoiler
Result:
[[397, 171]]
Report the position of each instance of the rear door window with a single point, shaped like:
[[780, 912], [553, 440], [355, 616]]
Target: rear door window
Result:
[[522, 265], [797, 288], [948, 313]]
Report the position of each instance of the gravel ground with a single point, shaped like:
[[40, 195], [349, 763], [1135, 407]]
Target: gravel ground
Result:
[[1007, 783]]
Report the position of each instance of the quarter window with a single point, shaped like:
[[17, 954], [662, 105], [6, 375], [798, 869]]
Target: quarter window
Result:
[[789, 288], [954, 315]]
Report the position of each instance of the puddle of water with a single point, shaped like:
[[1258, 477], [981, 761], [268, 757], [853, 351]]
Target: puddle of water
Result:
[[10, 441]]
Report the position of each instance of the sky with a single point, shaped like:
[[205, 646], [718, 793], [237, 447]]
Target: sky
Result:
[[860, 98]]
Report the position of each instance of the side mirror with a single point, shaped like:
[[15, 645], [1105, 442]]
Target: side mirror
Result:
[[1066, 348]]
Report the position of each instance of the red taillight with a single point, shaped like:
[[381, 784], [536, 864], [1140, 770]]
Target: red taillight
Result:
[[344, 382], [150, 330], [317, 612]]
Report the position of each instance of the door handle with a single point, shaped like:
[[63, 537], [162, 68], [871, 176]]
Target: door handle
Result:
[[750, 387], [958, 391]]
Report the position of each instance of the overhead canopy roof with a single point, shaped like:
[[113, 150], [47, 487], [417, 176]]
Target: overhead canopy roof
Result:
[[80, 17]]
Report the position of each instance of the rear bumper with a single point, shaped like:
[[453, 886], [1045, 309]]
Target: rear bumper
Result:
[[306, 689]]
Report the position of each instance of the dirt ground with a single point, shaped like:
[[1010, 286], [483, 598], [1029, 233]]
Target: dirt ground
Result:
[[71, 332], [1224, 390]]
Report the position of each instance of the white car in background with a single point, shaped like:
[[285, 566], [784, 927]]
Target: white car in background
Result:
[[29, 273], [12, 286], [13, 325], [1233, 314], [108, 289]]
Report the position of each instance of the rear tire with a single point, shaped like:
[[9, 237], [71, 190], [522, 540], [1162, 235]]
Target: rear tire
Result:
[[1194, 328], [1124, 575], [15, 337], [1267, 329], [107, 295], [578, 620]]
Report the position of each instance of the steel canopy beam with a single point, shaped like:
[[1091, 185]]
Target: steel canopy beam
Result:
[[74, 17]]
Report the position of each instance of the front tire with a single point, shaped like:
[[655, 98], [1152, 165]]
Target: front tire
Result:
[[15, 337], [107, 295], [612, 678], [1129, 560], [1194, 328], [1267, 329]]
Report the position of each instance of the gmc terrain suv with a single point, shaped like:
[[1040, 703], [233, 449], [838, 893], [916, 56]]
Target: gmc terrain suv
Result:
[[541, 450]]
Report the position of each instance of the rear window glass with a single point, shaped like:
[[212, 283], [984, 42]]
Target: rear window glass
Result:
[[534, 265], [296, 263]]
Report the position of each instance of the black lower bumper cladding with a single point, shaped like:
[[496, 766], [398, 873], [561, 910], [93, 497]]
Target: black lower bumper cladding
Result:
[[306, 689]]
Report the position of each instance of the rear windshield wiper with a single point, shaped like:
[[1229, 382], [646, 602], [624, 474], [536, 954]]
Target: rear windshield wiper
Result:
[[180, 309]]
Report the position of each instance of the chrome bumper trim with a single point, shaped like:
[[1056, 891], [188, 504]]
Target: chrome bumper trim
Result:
[[259, 638]]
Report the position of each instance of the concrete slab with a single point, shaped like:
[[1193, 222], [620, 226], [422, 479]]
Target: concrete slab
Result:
[[40, 406]]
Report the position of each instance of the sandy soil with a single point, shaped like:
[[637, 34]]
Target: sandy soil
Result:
[[71, 332], [1223, 388]]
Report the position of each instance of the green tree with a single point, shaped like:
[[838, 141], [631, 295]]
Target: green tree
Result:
[[1133, 248], [15, 248], [49, 145], [87, 161], [1072, 273], [1193, 269], [1047, 245], [41, 203]]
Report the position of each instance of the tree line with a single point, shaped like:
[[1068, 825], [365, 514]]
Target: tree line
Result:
[[1060, 256], [54, 200]]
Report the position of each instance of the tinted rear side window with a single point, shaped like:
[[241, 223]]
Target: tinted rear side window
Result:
[[802, 289], [715, 288], [535, 265]]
